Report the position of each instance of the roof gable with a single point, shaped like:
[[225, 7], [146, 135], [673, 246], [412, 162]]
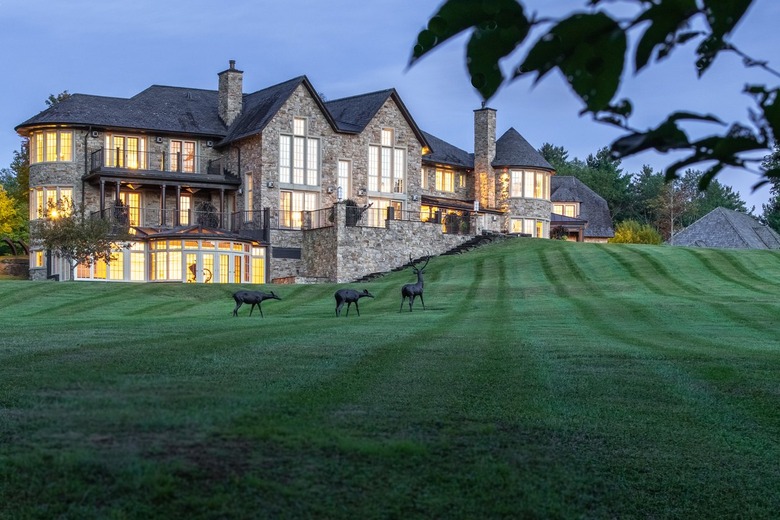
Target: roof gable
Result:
[[512, 150], [593, 207], [261, 106], [353, 114], [727, 228]]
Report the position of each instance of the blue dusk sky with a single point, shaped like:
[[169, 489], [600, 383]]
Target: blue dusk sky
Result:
[[348, 47]]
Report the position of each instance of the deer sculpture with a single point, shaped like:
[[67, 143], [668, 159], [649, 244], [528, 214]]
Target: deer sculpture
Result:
[[349, 296], [253, 298], [412, 290]]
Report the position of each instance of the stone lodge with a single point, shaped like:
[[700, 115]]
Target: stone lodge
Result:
[[219, 186]]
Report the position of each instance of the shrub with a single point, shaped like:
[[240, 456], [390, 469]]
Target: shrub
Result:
[[632, 232]]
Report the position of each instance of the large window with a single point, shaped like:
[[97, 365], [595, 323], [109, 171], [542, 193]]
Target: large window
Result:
[[182, 156], [124, 151], [299, 156], [386, 165], [529, 185], [51, 146], [292, 204], [44, 201], [529, 226], [569, 209], [445, 180]]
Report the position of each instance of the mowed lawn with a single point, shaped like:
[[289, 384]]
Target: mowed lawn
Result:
[[545, 379]]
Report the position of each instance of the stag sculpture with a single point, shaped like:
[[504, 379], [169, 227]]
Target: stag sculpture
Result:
[[253, 298], [412, 290], [349, 296]]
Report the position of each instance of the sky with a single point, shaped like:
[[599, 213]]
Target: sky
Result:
[[345, 48]]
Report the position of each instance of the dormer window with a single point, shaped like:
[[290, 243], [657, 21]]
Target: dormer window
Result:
[[567, 209]]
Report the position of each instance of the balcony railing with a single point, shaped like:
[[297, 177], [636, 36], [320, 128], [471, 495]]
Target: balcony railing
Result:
[[156, 161], [256, 224], [155, 217]]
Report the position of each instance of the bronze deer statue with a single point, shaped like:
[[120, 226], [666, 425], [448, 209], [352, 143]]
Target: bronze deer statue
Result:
[[349, 296], [412, 290], [253, 298]]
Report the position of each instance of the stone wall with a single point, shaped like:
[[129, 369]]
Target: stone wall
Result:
[[15, 266]]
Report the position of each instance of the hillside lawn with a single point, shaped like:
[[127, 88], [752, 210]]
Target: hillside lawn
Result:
[[545, 379]]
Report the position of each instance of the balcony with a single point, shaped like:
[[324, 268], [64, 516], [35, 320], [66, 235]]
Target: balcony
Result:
[[161, 167]]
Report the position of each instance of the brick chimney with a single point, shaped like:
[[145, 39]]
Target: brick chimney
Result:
[[230, 93], [484, 153]]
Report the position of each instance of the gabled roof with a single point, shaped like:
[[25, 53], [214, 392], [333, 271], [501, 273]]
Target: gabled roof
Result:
[[157, 109], [261, 106], [593, 207], [727, 228], [353, 114], [512, 150], [443, 152]]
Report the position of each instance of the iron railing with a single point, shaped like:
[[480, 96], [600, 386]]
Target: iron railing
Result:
[[171, 162]]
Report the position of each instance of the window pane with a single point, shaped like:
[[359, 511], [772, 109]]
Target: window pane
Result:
[[66, 146], [528, 185], [299, 126], [373, 168], [51, 146], [285, 142], [312, 162], [298, 159]]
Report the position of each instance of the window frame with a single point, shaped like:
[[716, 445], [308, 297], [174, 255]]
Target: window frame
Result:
[[41, 146], [300, 162]]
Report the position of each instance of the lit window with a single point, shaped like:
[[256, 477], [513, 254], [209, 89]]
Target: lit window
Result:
[[124, 151], [445, 180], [182, 156], [51, 146], [292, 204], [48, 201], [529, 185]]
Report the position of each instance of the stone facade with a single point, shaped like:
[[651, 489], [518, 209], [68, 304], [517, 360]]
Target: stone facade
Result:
[[332, 252]]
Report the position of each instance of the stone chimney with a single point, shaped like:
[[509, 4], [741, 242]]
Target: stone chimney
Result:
[[230, 93], [484, 153]]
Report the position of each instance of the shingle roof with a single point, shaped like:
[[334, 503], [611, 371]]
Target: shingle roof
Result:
[[158, 108], [259, 107], [727, 228], [443, 152], [352, 114], [593, 207], [512, 150]]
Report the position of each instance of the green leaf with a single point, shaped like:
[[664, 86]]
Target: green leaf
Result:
[[490, 42], [589, 50], [456, 16], [499, 27], [724, 15], [665, 18], [707, 51]]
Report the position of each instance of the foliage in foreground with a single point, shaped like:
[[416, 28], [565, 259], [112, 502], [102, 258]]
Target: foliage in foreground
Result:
[[594, 48], [545, 379]]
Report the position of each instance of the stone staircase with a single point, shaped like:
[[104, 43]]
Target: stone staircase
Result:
[[478, 241]]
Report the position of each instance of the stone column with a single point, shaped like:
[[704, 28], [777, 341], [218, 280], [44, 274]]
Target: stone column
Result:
[[484, 153]]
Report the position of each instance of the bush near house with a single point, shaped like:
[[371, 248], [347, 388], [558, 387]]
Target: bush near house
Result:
[[632, 232], [545, 379]]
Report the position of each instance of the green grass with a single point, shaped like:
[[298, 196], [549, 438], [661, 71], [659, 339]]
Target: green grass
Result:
[[545, 379]]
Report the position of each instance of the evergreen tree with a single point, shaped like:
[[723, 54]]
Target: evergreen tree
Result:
[[771, 210]]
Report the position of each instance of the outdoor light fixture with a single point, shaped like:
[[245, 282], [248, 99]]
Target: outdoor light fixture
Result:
[[361, 191], [270, 184]]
